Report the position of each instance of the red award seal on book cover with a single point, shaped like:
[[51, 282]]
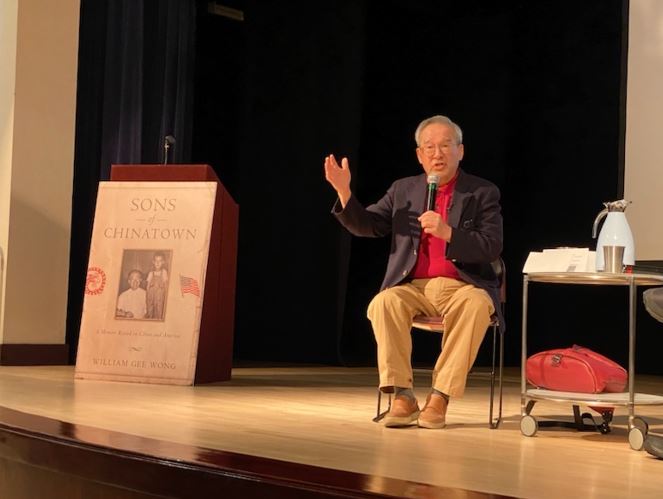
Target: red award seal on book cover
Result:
[[95, 281]]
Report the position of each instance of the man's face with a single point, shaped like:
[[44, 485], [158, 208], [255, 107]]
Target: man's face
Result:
[[134, 280], [438, 152]]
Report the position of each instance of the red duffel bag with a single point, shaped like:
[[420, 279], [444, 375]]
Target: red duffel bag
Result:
[[575, 369]]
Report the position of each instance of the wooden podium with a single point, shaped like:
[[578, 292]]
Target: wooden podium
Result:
[[215, 341]]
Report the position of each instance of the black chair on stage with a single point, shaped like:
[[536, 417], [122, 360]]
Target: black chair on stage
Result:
[[653, 300], [435, 324]]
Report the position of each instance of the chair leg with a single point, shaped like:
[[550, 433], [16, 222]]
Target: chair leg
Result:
[[379, 415], [495, 422]]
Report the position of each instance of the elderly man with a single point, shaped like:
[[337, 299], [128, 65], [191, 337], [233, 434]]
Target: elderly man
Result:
[[132, 303], [440, 264]]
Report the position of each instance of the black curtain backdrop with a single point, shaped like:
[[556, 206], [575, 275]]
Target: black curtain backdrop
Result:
[[135, 86], [302, 101], [538, 88]]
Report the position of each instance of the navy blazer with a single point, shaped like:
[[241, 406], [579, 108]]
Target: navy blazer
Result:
[[475, 216]]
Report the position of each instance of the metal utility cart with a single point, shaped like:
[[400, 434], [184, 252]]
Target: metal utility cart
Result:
[[637, 427]]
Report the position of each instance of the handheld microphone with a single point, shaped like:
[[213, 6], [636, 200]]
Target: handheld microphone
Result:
[[431, 193], [169, 141]]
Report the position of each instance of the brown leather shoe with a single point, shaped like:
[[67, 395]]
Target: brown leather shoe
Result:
[[403, 412], [434, 412]]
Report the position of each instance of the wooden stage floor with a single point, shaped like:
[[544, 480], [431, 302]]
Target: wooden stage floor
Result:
[[320, 418]]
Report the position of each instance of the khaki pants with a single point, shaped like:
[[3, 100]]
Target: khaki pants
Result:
[[466, 310]]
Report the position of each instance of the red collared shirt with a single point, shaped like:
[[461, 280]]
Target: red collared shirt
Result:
[[431, 259]]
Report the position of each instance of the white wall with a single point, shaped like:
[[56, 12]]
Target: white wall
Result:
[[643, 181], [36, 165], [8, 20]]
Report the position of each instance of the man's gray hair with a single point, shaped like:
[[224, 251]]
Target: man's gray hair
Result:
[[442, 120]]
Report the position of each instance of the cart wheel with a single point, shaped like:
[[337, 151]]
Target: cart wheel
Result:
[[528, 426], [636, 438], [638, 422]]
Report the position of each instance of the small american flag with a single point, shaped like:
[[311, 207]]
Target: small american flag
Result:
[[189, 285]]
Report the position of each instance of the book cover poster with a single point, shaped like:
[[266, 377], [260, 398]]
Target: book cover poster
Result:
[[145, 282]]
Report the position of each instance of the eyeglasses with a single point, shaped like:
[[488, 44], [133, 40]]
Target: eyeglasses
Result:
[[430, 149]]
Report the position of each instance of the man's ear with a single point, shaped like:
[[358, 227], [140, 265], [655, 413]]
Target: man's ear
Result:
[[418, 153]]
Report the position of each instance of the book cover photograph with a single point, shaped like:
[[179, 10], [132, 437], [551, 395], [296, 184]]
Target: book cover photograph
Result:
[[145, 282]]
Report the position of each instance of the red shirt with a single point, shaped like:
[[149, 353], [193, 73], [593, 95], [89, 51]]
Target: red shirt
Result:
[[431, 259]]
